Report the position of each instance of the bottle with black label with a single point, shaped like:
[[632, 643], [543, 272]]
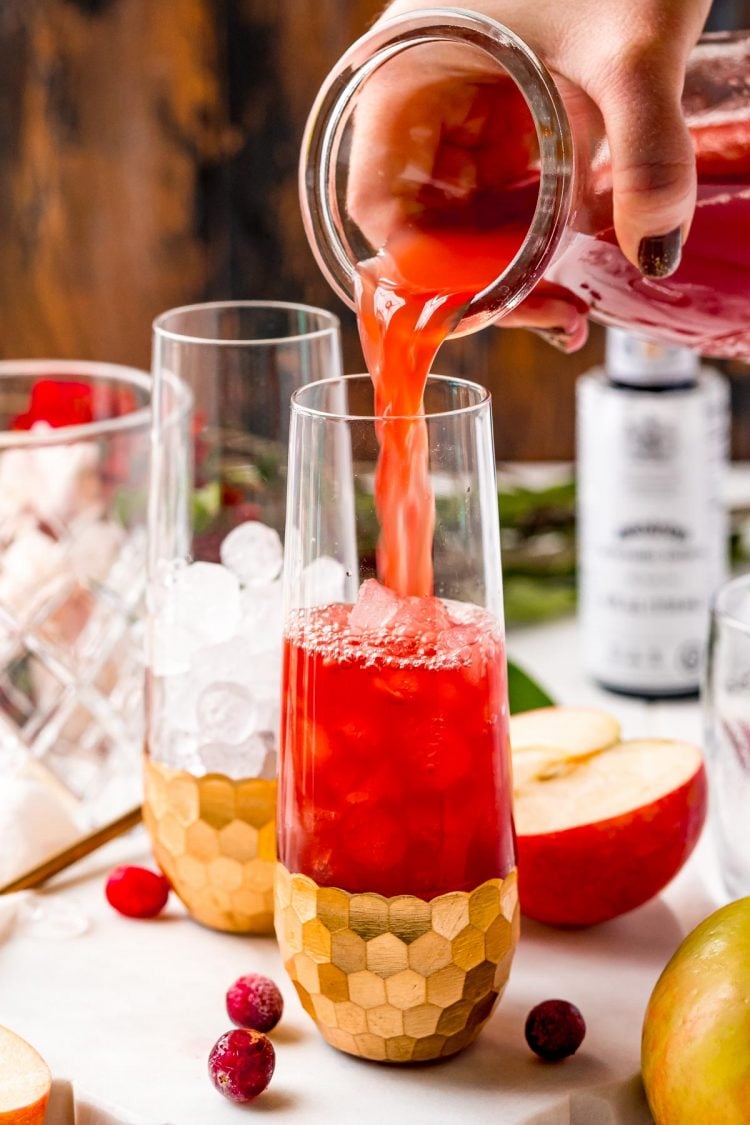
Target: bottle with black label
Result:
[[652, 447]]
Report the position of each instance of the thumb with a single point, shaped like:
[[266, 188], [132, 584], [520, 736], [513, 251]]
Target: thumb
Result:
[[653, 164]]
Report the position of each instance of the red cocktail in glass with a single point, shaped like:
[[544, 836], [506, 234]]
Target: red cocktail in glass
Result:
[[395, 777]]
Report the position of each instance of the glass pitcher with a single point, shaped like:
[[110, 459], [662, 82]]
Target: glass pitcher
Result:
[[546, 223]]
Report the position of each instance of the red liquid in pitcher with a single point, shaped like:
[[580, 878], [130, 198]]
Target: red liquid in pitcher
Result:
[[705, 304], [395, 731]]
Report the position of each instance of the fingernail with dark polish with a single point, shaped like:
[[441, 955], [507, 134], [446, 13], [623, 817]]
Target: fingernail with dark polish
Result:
[[660, 255], [556, 337]]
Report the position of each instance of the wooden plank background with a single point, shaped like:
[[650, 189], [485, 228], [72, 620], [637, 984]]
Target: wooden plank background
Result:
[[148, 153]]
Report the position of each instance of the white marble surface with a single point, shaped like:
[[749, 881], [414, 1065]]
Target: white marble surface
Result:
[[129, 1010]]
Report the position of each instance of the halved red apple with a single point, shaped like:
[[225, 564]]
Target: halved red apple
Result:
[[25, 1081], [602, 832]]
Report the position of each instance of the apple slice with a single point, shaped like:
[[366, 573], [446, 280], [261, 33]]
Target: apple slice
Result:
[[601, 834], [25, 1081], [573, 731], [543, 739]]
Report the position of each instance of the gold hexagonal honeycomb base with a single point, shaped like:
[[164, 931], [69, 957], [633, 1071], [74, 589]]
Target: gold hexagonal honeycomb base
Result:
[[397, 979], [215, 840]]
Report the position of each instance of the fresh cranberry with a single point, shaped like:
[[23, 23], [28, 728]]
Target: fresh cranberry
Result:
[[137, 892], [255, 1001], [554, 1029], [241, 1064]]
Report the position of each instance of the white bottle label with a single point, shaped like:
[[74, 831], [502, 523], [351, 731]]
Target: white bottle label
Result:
[[652, 529]]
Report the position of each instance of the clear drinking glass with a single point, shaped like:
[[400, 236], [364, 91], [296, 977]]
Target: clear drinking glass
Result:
[[223, 377], [727, 712], [74, 454], [396, 905]]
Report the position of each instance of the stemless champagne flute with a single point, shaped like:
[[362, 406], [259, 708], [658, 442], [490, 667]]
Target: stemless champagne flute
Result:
[[396, 902], [223, 377]]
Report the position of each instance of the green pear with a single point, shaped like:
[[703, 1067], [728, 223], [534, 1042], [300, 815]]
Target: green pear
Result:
[[695, 1055]]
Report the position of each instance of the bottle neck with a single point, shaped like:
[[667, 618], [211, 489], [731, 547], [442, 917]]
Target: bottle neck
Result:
[[638, 363], [336, 241]]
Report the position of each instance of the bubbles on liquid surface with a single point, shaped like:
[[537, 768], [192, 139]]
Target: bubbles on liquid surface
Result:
[[399, 632]]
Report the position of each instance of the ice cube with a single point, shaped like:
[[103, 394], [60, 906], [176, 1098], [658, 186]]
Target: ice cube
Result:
[[322, 582], [236, 662], [226, 713], [170, 648], [253, 552], [225, 663], [375, 607], [16, 484], [205, 600], [421, 617], [67, 480], [237, 762], [53, 482], [261, 617], [232, 663], [458, 639], [32, 567], [93, 546], [173, 703], [178, 750]]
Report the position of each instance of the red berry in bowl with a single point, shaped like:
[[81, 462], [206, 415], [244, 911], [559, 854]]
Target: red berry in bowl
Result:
[[136, 891], [254, 1001], [554, 1029], [241, 1064]]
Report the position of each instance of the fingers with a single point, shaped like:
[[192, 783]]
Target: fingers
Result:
[[554, 314], [653, 164]]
